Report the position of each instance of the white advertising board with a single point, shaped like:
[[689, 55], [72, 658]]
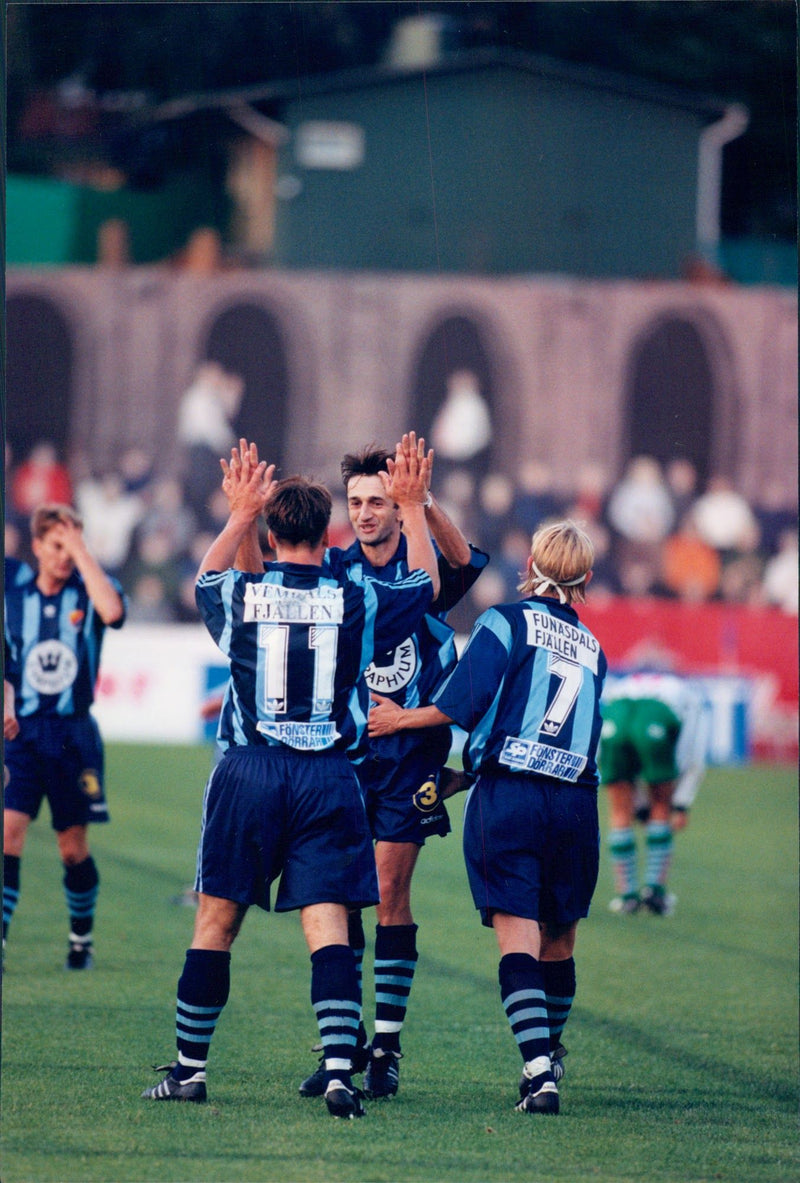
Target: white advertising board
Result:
[[153, 679]]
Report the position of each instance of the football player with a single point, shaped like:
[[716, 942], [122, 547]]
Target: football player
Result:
[[402, 775], [527, 691], [55, 619]]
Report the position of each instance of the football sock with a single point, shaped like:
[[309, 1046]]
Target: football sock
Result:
[[81, 885], [522, 992], [622, 845], [357, 941], [203, 990], [10, 888], [559, 992], [395, 962], [335, 997], [659, 853]]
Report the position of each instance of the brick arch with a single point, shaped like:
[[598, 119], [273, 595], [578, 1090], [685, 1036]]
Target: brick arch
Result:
[[680, 398], [455, 341], [248, 339], [39, 373]]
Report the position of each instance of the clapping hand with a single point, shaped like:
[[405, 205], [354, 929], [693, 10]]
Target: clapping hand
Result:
[[247, 482], [409, 475]]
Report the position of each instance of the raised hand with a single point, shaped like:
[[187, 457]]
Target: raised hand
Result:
[[247, 482], [408, 478]]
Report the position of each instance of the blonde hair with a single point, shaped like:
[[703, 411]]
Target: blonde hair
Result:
[[51, 514], [561, 557]]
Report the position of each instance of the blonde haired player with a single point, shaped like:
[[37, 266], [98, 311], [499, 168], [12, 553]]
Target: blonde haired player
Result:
[[527, 691]]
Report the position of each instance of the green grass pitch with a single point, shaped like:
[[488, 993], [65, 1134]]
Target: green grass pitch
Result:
[[683, 1041]]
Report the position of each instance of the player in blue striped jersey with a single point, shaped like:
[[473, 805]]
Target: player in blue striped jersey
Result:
[[527, 690], [401, 773], [283, 804], [55, 619]]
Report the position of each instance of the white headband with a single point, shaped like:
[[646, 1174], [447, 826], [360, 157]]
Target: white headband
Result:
[[545, 581]]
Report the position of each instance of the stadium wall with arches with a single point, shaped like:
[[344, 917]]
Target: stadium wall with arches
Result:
[[568, 370]]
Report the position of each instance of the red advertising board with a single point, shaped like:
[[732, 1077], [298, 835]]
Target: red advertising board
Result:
[[760, 644]]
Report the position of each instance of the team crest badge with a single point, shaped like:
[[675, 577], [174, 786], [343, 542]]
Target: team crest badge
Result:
[[51, 667]]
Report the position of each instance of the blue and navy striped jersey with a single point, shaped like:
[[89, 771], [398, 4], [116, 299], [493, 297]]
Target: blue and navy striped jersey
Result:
[[527, 690], [54, 645], [299, 638], [411, 672]]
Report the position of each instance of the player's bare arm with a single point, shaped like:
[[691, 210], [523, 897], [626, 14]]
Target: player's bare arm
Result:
[[448, 537], [105, 597], [244, 459], [407, 484], [386, 717]]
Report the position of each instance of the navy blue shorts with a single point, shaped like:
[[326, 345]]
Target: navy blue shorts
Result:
[[402, 797], [272, 812], [59, 757], [532, 847]]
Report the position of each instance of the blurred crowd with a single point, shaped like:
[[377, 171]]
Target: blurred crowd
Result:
[[655, 531]]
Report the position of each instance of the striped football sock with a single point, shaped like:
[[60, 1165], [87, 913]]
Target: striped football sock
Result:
[[202, 993], [622, 847], [559, 992], [81, 886], [357, 942], [10, 889], [335, 997], [522, 992], [395, 963], [659, 844]]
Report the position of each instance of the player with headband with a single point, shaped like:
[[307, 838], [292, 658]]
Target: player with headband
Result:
[[527, 691]]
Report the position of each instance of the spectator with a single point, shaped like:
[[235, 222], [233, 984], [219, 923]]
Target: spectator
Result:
[[462, 429], [495, 495], [205, 429], [110, 516], [640, 507], [775, 513], [40, 478], [724, 518], [534, 500], [509, 563], [136, 470], [690, 568], [186, 604], [168, 514], [640, 513], [780, 585], [741, 580], [149, 602], [591, 491], [681, 478], [458, 500]]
